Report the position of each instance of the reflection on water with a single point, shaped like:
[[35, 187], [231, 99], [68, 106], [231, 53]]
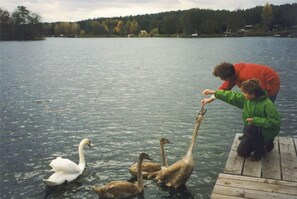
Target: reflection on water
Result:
[[123, 94]]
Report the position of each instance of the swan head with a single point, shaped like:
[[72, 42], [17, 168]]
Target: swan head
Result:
[[164, 141], [143, 156], [86, 141]]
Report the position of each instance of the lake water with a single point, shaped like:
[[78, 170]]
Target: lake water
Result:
[[124, 94]]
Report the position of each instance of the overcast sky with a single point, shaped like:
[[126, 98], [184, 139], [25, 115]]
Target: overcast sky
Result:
[[75, 10]]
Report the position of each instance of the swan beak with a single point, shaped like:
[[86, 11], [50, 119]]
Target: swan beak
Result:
[[90, 144], [202, 111]]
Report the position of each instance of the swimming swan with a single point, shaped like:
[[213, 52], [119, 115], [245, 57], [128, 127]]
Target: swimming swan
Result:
[[65, 170], [123, 189], [150, 167], [177, 174]]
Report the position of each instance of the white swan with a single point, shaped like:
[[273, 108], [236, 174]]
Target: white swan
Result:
[[66, 170], [177, 174]]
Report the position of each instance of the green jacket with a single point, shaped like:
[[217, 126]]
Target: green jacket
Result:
[[262, 110]]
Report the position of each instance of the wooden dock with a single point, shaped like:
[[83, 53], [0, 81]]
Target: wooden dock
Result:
[[273, 177]]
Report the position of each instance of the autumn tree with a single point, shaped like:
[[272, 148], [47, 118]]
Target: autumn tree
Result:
[[75, 29], [267, 17], [119, 27]]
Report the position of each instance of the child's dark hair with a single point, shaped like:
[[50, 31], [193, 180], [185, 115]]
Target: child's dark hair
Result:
[[224, 70], [253, 87]]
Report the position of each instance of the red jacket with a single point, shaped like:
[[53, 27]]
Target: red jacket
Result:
[[243, 71]]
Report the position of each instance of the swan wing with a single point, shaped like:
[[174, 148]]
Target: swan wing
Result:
[[59, 178], [166, 173], [151, 167], [117, 189], [147, 168], [122, 188], [180, 178], [64, 165]]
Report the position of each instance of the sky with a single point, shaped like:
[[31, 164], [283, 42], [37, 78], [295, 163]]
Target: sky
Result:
[[75, 10]]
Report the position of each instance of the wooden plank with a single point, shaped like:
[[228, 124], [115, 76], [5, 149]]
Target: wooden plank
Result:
[[288, 159], [271, 163], [252, 168], [234, 162], [295, 140], [218, 196], [256, 180], [252, 183], [249, 193]]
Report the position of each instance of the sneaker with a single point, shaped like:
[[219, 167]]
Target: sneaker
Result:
[[241, 137], [256, 157], [269, 147]]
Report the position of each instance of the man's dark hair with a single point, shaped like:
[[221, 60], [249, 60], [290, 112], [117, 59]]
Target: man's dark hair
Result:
[[253, 87], [224, 70]]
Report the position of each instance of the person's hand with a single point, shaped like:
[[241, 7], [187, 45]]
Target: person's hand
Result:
[[208, 92], [206, 101], [249, 120]]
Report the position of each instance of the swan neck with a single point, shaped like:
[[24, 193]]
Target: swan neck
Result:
[[139, 174], [194, 136], [163, 157], [81, 155]]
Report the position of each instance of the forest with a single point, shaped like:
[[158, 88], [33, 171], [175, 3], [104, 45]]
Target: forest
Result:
[[258, 21], [264, 20]]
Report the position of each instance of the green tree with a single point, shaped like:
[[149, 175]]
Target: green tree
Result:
[[95, 28], [170, 24], [267, 17], [23, 16], [22, 25], [154, 31], [47, 29], [82, 33], [127, 27], [153, 24], [134, 27], [4, 17], [57, 30]]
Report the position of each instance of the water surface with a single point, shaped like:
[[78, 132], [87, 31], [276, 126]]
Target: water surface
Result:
[[124, 94]]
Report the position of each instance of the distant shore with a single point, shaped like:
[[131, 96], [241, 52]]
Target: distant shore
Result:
[[254, 34]]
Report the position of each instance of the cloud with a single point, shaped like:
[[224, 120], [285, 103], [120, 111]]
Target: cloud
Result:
[[74, 10]]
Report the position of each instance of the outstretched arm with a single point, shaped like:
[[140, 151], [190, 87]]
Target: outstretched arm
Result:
[[208, 100], [234, 98]]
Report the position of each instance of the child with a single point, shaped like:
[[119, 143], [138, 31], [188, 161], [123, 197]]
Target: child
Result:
[[260, 117]]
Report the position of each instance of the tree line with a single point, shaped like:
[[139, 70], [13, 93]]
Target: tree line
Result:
[[264, 20], [21, 24]]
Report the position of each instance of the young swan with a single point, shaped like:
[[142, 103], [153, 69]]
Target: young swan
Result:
[[123, 189], [177, 174], [65, 170], [150, 167]]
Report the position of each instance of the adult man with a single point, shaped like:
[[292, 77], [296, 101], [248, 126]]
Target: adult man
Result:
[[235, 74]]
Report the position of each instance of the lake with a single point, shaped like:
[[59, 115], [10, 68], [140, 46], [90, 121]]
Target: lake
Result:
[[124, 94]]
